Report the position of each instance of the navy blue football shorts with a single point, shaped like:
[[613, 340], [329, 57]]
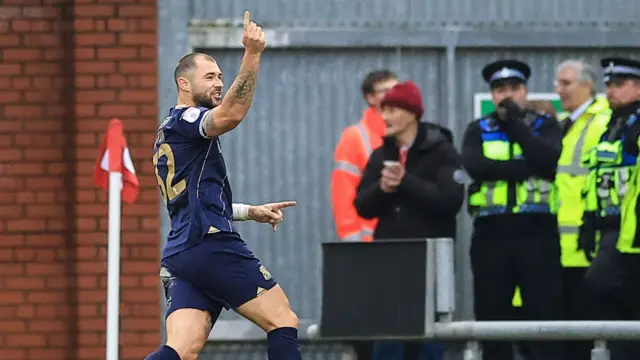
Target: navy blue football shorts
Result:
[[220, 272]]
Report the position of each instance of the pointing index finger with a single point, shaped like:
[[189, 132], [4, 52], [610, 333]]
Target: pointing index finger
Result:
[[284, 204], [247, 18]]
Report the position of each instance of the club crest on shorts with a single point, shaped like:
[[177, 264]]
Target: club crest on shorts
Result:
[[265, 273], [191, 115]]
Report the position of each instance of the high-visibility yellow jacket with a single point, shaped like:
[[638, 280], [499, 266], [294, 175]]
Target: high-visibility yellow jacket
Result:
[[628, 240], [581, 137]]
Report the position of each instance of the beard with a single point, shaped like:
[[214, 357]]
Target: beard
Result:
[[207, 99], [203, 100]]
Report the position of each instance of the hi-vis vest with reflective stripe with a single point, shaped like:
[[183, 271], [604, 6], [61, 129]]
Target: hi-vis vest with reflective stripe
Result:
[[611, 171], [352, 153], [629, 239], [571, 177], [492, 198]]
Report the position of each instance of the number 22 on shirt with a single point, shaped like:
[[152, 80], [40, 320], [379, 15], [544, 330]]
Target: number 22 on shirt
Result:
[[168, 189]]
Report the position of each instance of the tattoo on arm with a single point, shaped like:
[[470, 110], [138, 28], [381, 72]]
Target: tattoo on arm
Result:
[[236, 102], [244, 87]]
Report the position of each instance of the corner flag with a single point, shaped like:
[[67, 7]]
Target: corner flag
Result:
[[122, 184], [114, 153]]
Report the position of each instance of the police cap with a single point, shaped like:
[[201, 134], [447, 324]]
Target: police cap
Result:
[[620, 68], [501, 70]]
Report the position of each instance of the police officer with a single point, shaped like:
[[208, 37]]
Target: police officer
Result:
[[511, 156], [610, 198], [628, 246]]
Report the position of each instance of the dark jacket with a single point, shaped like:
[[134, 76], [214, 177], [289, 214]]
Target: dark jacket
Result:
[[427, 200], [540, 159]]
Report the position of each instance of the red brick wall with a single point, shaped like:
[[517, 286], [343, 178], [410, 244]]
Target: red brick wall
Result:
[[66, 68]]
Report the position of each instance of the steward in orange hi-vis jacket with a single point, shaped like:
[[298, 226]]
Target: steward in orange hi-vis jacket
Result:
[[351, 156]]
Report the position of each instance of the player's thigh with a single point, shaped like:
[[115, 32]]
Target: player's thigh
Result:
[[270, 310], [190, 315]]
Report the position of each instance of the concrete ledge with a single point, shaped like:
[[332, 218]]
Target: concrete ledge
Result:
[[205, 35]]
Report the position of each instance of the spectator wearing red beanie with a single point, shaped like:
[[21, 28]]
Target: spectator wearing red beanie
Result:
[[408, 184], [406, 96]]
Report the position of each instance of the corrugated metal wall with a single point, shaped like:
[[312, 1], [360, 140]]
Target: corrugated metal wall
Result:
[[284, 149], [306, 97]]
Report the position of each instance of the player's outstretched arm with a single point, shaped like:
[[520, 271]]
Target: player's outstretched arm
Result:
[[267, 213], [237, 101]]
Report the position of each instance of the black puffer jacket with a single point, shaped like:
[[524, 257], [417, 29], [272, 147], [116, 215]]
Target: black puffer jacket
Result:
[[428, 198]]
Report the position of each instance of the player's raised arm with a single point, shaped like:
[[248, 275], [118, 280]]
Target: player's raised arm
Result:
[[237, 101]]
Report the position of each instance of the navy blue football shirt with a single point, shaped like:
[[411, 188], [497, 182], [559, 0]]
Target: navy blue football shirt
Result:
[[192, 177]]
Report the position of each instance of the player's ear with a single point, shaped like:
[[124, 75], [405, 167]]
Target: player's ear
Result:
[[184, 84]]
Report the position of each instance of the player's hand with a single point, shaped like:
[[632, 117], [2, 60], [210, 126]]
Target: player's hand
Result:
[[269, 213], [253, 39]]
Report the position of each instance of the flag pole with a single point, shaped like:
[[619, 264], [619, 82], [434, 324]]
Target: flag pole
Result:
[[113, 264], [115, 147], [115, 172]]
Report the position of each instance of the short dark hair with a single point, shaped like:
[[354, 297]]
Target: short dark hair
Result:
[[187, 64], [374, 77]]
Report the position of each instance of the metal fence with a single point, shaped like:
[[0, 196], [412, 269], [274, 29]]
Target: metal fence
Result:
[[308, 92]]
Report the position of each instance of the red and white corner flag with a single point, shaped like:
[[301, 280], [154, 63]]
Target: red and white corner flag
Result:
[[114, 153]]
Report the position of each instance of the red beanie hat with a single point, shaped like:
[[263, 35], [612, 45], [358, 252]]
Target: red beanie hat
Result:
[[407, 96]]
